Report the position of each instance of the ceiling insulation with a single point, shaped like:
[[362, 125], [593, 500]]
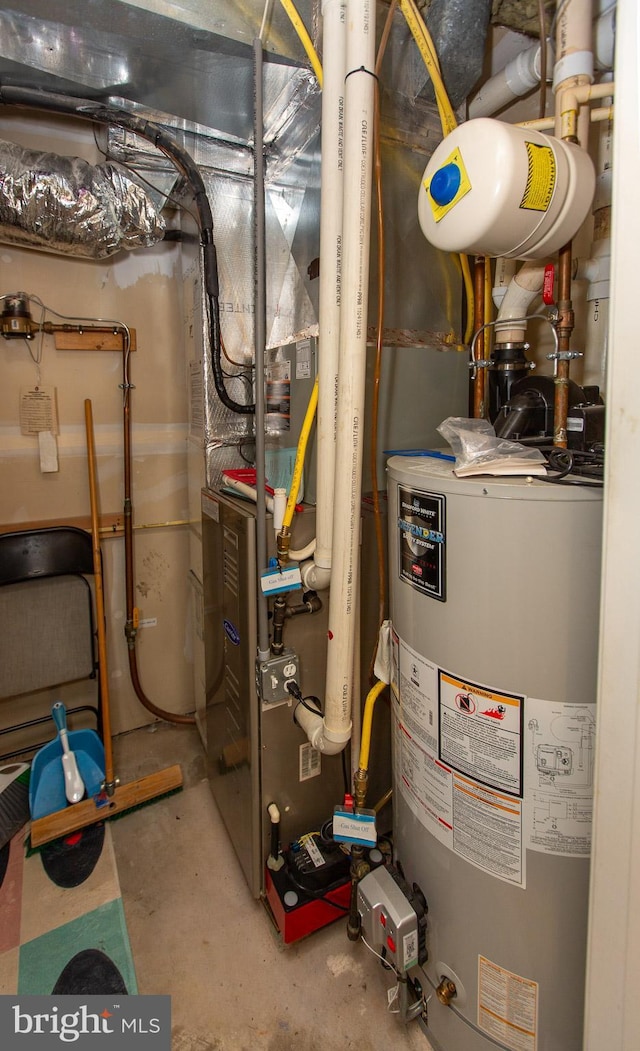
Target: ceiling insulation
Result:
[[521, 15]]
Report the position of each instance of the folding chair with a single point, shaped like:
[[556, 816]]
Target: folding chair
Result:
[[47, 622]]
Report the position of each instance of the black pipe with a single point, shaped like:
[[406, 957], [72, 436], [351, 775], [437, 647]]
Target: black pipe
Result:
[[101, 113]]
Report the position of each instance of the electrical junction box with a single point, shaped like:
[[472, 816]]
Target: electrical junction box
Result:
[[273, 676], [394, 918]]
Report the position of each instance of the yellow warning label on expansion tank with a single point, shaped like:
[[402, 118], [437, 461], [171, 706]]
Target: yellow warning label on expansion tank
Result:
[[541, 178]]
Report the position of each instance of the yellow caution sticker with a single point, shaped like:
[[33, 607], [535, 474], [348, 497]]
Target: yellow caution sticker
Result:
[[440, 210], [541, 178]]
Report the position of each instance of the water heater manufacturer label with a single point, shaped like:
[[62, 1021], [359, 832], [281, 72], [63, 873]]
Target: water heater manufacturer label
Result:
[[422, 541]]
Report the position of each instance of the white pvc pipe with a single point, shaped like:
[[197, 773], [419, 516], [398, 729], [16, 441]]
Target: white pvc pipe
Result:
[[303, 552], [245, 490], [597, 268], [522, 74], [331, 733], [519, 77], [574, 60], [604, 38], [523, 289], [317, 574], [279, 508], [504, 272]]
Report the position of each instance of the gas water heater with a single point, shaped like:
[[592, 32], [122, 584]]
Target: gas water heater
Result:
[[494, 602]]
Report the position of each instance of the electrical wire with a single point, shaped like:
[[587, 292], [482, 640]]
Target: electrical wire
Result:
[[575, 466], [385, 963], [310, 708], [136, 172]]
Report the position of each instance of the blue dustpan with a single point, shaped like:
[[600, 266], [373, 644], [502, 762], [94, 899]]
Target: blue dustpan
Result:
[[46, 786]]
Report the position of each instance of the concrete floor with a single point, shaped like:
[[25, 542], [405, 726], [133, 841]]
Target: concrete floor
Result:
[[198, 935]]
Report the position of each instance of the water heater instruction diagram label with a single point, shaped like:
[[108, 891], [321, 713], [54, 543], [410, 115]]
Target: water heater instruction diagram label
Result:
[[507, 1006], [559, 767], [480, 821]]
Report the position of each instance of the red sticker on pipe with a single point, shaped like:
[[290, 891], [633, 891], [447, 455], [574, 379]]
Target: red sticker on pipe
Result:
[[548, 295]]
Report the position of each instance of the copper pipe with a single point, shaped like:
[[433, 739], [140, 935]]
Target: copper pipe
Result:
[[377, 175], [131, 625], [478, 313], [565, 326]]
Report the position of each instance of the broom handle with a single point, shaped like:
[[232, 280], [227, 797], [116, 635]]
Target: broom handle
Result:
[[105, 706]]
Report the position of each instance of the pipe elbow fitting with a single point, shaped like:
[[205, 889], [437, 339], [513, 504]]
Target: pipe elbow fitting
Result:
[[320, 737], [315, 577]]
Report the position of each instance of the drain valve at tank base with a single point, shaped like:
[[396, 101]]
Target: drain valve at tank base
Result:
[[446, 991]]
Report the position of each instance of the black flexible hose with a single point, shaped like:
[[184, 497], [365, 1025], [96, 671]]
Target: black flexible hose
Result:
[[101, 113]]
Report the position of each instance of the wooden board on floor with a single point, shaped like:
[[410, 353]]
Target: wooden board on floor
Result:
[[126, 797]]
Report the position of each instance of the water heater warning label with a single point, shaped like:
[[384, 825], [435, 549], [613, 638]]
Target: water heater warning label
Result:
[[481, 732], [458, 754], [421, 543]]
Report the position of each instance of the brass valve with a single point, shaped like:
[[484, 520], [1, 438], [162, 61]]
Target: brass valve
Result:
[[283, 543], [446, 991], [360, 783]]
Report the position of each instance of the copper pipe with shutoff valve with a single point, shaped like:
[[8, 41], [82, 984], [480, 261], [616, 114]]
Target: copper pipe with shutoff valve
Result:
[[564, 355]]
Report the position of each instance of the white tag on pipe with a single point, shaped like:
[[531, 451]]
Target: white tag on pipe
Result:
[[48, 452], [277, 581], [382, 664], [355, 828]]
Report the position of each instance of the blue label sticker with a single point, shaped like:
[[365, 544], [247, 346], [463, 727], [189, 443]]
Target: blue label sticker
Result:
[[232, 632], [354, 828]]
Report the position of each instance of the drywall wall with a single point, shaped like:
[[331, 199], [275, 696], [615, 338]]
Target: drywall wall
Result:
[[141, 289]]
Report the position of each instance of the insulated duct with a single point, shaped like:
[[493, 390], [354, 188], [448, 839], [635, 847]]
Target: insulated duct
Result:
[[66, 205], [459, 32], [100, 113]]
